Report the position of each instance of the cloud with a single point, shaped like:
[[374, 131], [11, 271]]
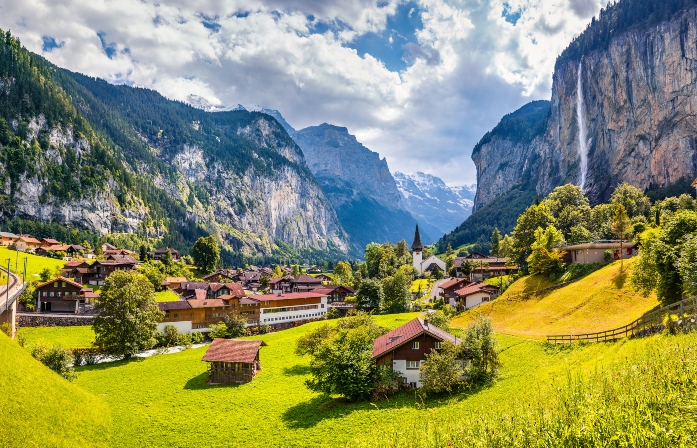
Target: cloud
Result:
[[457, 66]]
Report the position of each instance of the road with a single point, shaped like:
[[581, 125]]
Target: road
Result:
[[8, 300]]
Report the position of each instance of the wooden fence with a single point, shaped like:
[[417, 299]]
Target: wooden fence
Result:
[[647, 324]]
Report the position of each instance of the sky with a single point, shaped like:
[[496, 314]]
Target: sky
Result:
[[418, 81]]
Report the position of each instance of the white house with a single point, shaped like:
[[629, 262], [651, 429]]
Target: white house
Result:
[[428, 264]]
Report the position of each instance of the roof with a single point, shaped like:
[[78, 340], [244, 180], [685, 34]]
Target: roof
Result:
[[474, 288], [453, 282], [459, 260], [407, 332], [50, 241], [416, 245], [195, 285], [174, 280], [232, 350], [235, 288], [207, 303], [162, 250], [248, 301], [178, 305], [91, 295], [108, 246], [60, 279], [72, 264], [328, 289], [8, 235], [306, 279], [29, 239], [289, 296], [122, 258]]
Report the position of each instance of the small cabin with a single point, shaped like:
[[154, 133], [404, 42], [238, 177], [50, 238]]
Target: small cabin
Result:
[[233, 361]]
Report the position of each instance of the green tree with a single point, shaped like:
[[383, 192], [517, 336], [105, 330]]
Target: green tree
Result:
[[439, 319], [620, 227], [219, 330], [153, 270], [296, 271], [523, 235], [127, 314], [169, 336], [634, 201], [396, 292], [166, 258], [495, 242], [277, 272], [206, 253], [264, 281], [544, 259], [236, 325], [481, 349], [441, 372], [505, 247], [600, 224], [143, 255], [569, 207], [45, 274], [308, 344], [370, 295], [343, 274], [687, 264]]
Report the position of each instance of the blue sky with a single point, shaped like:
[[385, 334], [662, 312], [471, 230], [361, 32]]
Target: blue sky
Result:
[[418, 81]]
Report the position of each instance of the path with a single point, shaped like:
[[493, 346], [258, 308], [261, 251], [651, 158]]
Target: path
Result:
[[436, 289]]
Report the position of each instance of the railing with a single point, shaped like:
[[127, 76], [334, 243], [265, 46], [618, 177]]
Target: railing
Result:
[[4, 299], [647, 324]]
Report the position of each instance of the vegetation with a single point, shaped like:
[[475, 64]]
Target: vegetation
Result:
[[206, 253], [67, 337], [55, 358], [128, 314], [35, 263], [166, 296], [70, 416]]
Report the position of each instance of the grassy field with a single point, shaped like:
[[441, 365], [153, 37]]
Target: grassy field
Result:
[[67, 337], [420, 284], [166, 296], [35, 263], [603, 300], [41, 409]]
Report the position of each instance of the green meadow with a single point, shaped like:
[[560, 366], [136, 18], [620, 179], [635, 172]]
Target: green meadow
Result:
[[67, 337], [35, 263]]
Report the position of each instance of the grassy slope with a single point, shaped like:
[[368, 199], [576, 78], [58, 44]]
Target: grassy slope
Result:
[[155, 400], [166, 296], [603, 300], [35, 263], [43, 409], [68, 337]]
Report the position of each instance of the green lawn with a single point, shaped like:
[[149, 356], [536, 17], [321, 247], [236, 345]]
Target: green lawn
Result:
[[35, 263], [68, 337], [420, 284], [41, 409], [166, 296]]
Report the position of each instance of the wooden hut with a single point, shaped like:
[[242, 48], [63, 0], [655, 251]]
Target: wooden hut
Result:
[[232, 361]]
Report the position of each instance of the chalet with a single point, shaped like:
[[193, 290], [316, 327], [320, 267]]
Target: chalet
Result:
[[98, 271], [406, 347], [7, 239], [594, 252], [157, 255], [121, 258], [49, 242], [232, 361], [197, 315], [250, 308], [172, 283], [281, 285], [67, 270], [473, 294], [221, 289], [484, 266], [335, 293], [210, 290], [304, 283], [70, 250], [324, 278], [107, 246], [431, 264], [250, 280], [448, 288], [26, 243], [291, 309], [59, 295], [220, 276], [109, 252]]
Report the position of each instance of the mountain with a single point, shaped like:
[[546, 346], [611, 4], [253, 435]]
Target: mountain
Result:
[[358, 183], [83, 153], [621, 111], [431, 201]]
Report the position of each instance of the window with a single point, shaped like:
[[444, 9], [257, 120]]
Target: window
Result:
[[415, 345], [439, 345], [412, 364], [176, 315]]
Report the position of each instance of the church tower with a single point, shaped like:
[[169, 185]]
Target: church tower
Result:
[[417, 251]]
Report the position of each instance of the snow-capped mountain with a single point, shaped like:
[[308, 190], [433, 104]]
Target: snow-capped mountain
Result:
[[430, 200]]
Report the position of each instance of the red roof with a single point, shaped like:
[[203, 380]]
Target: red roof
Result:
[[407, 332], [306, 279], [248, 301], [176, 305], [207, 303], [453, 282], [72, 264], [475, 288], [60, 279], [291, 295], [232, 350]]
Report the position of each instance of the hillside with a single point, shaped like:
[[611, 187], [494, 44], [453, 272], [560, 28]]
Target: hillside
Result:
[[601, 301], [84, 153], [43, 409]]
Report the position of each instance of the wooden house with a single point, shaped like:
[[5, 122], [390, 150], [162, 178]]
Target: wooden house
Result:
[[157, 255], [49, 242], [448, 288], [335, 293], [173, 283], [197, 314], [26, 243], [304, 283], [250, 308], [59, 295], [220, 276], [473, 294], [406, 347], [7, 238], [232, 361]]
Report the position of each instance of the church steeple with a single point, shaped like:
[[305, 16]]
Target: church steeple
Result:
[[416, 245]]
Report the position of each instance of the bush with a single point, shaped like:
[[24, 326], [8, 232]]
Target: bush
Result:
[[6, 328], [264, 329], [332, 313], [184, 339], [169, 336], [197, 338], [481, 349], [440, 320], [579, 270], [441, 371], [236, 325], [386, 382], [608, 256], [57, 359], [219, 330]]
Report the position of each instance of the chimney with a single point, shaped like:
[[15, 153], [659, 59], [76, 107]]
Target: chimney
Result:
[[426, 322]]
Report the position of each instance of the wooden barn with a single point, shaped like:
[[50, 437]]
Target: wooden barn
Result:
[[232, 361]]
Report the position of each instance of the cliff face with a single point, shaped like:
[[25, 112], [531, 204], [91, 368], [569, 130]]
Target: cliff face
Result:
[[639, 105]]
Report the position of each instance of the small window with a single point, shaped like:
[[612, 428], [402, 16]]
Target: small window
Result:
[[415, 345], [412, 364], [176, 315], [439, 345]]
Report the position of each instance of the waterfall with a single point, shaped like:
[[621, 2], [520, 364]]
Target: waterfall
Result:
[[580, 115]]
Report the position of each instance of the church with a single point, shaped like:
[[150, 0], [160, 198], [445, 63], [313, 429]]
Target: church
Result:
[[429, 264]]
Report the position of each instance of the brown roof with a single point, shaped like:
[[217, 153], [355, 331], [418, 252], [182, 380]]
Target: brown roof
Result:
[[50, 241], [306, 279], [453, 282], [248, 301], [207, 303], [72, 264], [407, 332], [178, 305], [28, 239], [60, 279], [174, 280], [232, 350], [292, 295], [475, 288]]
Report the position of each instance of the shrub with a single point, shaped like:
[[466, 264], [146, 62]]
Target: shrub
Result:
[[236, 325], [197, 338], [332, 313], [608, 256], [6, 328], [481, 349], [184, 339], [440, 320], [441, 371], [57, 359], [386, 382], [264, 329], [219, 330], [169, 336]]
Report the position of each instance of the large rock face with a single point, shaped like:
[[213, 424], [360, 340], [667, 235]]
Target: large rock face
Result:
[[430, 200], [639, 106]]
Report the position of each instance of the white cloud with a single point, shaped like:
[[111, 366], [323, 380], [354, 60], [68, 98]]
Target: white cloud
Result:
[[469, 66]]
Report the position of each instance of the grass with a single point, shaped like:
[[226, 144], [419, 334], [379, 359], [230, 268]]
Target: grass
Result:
[[35, 263], [601, 301], [67, 337], [420, 284], [40, 408], [166, 296]]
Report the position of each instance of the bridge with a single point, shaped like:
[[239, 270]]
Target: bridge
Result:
[[9, 293]]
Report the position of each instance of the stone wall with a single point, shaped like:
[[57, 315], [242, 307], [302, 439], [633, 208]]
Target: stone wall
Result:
[[52, 320]]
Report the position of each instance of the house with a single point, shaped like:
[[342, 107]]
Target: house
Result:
[[232, 361], [594, 252], [324, 278], [172, 283], [250, 308], [121, 258], [281, 285], [26, 243], [70, 250], [197, 314], [304, 283], [157, 255], [68, 267], [448, 288], [107, 246], [250, 280], [97, 272], [484, 266], [109, 252], [335, 293], [406, 347], [220, 276], [49, 242], [7, 239], [473, 294], [291, 309], [210, 290], [59, 295], [431, 264]]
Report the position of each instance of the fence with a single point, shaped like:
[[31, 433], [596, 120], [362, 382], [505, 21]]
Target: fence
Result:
[[647, 324]]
